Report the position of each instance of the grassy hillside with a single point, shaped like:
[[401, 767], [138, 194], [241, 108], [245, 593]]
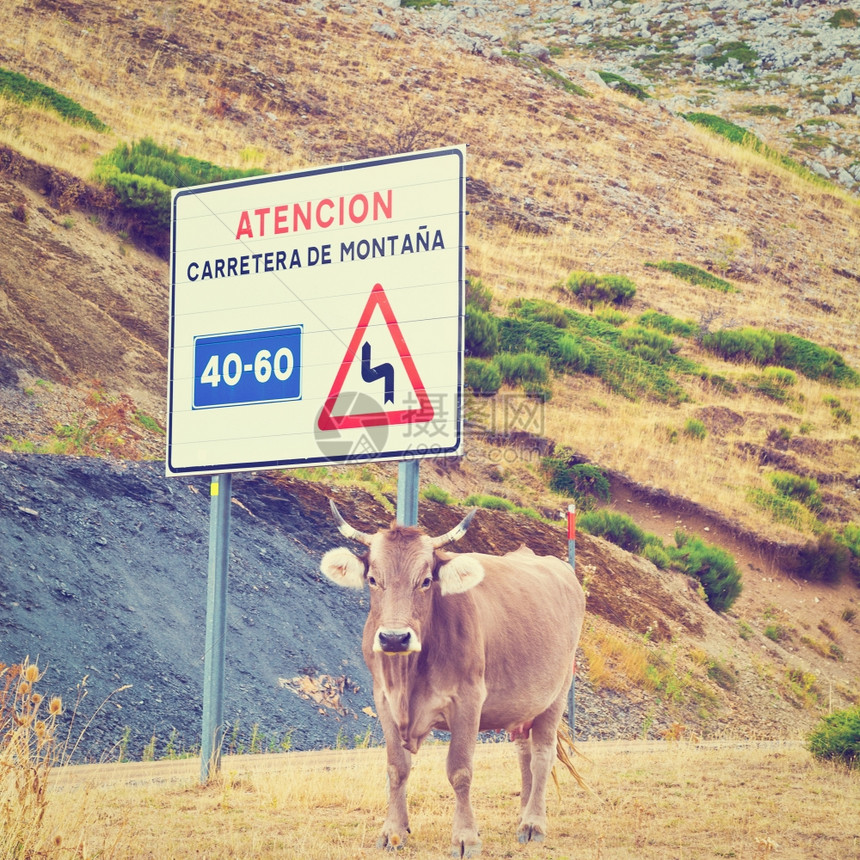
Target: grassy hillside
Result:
[[575, 191]]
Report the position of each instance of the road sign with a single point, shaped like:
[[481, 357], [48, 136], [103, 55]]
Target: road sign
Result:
[[317, 316]]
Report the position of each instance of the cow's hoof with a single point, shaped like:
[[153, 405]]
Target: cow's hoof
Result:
[[391, 841], [466, 849], [530, 833]]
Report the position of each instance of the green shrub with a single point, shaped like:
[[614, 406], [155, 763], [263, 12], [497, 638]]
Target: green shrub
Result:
[[577, 480], [695, 429], [825, 560], [142, 175], [722, 127], [624, 86], [591, 346], [22, 89], [781, 508], [541, 311], [572, 354], [482, 376], [648, 343], [694, 275], [669, 324], [745, 344], [614, 527], [656, 553], [776, 632], [712, 566], [803, 490], [843, 18], [537, 391], [523, 367], [812, 360], [739, 51], [837, 737], [434, 493], [850, 537], [610, 315], [482, 333], [478, 295], [491, 503], [774, 382], [593, 289], [423, 4]]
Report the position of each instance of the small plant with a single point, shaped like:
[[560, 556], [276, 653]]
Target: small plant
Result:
[[482, 333], [21, 88], [669, 324], [843, 18], [715, 569], [803, 490], [478, 295], [694, 275], [27, 750], [837, 737], [776, 632], [594, 289], [148, 753], [433, 493], [616, 82], [614, 527], [482, 377], [824, 560], [523, 367], [723, 674], [577, 480], [745, 630], [802, 686], [491, 503], [695, 429]]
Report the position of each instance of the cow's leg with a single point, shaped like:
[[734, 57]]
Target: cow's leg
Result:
[[396, 826], [524, 753], [461, 753], [540, 761]]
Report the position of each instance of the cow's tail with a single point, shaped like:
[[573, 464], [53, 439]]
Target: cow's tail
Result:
[[563, 742]]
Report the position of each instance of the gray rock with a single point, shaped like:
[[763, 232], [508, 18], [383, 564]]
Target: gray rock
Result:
[[539, 52], [384, 30]]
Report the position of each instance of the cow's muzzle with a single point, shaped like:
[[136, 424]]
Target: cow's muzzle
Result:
[[399, 640]]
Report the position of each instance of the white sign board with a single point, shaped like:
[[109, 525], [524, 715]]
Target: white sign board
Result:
[[317, 316]]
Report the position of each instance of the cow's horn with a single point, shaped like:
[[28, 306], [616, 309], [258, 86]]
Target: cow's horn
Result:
[[457, 532], [346, 529]]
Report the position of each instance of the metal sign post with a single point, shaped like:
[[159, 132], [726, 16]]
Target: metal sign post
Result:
[[407, 492], [216, 622], [571, 557]]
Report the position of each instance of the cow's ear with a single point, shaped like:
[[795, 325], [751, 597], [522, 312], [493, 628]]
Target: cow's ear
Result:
[[460, 574], [343, 568]]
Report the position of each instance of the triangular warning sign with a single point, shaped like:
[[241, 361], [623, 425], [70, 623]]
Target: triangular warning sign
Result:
[[424, 411]]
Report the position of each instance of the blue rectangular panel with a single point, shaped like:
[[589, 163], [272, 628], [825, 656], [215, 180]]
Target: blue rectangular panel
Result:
[[248, 367]]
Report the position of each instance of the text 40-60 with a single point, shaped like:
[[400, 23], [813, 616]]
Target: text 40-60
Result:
[[264, 366]]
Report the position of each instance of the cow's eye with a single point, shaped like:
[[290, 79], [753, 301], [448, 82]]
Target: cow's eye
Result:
[[428, 581], [371, 581]]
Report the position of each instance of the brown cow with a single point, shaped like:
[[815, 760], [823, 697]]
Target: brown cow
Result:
[[464, 642]]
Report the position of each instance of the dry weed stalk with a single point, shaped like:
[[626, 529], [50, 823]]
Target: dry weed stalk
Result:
[[27, 751]]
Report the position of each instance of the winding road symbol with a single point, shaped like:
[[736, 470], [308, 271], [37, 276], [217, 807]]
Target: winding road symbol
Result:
[[370, 374]]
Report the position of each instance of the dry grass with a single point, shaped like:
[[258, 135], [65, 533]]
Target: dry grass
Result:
[[652, 800]]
